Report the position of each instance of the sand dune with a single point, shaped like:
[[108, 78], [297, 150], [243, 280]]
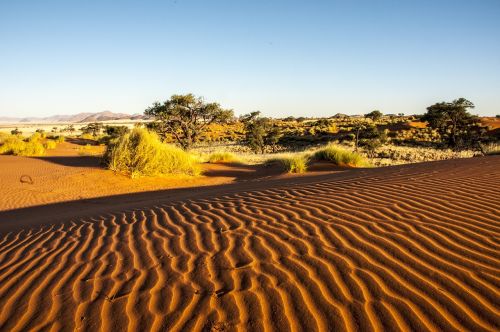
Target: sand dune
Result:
[[414, 247]]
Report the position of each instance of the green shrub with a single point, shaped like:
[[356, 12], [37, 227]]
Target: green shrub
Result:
[[141, 153], [42, 133], [50, 144], [340, 156], [3, 137], [222, 157], [292, 164], [16, 146], [60, 139], [11, 145], [32, 148], [35, 137]]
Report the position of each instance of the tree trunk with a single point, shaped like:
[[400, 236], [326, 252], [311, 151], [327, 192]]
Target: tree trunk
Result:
[[356, 140]]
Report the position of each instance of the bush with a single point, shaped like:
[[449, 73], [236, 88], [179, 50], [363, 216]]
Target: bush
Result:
[[293, 164], [50, 144], [141, 153], [60, 139], [32, 148], [340, 156], [35, 137], [12, 145], [115, 131], [87, 136], [16, 146], [222, 157], [491, 149], [42, 132]]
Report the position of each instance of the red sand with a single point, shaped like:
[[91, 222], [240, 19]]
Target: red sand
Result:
[[413, 247]]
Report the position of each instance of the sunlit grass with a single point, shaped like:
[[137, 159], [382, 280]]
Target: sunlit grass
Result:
[[141, 153], [222, 157], [340, 156]]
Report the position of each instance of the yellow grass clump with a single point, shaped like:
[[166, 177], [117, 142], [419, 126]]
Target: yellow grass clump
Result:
[[50, 144], [222, 157], [141, 153], [340, 156], [293, 163], [17, 146]]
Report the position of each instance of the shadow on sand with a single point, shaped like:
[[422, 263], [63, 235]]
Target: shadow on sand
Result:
[[74, 161], [96, 207]]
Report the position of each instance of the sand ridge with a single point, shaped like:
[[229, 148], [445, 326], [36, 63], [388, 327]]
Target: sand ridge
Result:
[[414, 247]]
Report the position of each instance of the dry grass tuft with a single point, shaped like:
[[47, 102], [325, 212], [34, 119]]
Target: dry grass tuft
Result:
[[222, 157], [50, 144], [141, 153], [292, 163], [340, 156]]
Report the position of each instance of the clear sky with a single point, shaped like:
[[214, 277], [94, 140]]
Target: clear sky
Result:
[[300, 58]]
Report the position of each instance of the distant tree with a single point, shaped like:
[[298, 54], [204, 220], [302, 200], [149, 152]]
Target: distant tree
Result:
[[371, 138], [115, 131], [94, 128], [260, 131], [54, 129], [186, 117], [70, 129], [322, 123], [374, 115], [16, 132], [273, 136], [453, 121], [367, 135]]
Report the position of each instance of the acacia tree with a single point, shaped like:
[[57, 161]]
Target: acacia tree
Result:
[[368, 135], [186, 117], [93, 128], [259, 132], [374, 115], [452, 120]]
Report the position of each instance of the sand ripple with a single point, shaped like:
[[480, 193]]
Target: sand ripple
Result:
[[406, 248]]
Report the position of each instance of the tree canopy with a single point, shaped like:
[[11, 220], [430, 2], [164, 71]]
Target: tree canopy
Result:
[[185, 117], [374, 115], [93, 128], [452, 120], [259, 132]]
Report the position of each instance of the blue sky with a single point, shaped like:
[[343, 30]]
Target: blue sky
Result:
[[301, 58]]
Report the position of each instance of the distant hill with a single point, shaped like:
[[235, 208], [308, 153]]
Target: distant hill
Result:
[[75, 118]]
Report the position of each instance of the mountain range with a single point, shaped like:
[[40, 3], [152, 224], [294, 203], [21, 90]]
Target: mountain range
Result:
[[75, 118]]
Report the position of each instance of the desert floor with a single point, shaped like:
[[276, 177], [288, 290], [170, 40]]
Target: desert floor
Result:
[[413, 247]]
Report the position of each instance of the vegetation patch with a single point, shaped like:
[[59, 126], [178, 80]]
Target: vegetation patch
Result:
[[491, 149], [15, 145], [50, 144], [222, 157], [340, 156], [293, 163], [141, 153]]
